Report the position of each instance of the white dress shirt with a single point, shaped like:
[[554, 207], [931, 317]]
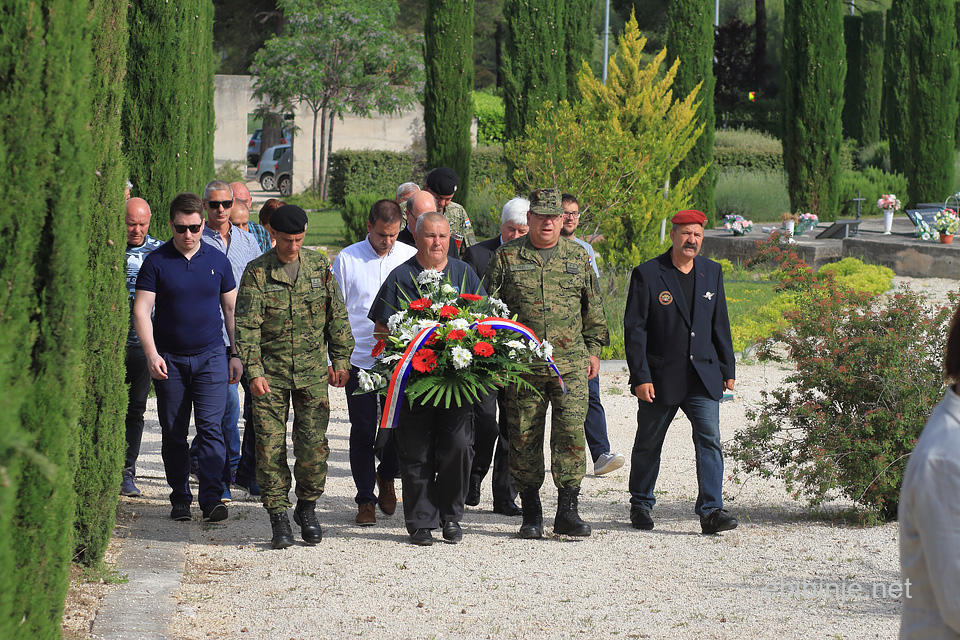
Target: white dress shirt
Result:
[[360, 271]]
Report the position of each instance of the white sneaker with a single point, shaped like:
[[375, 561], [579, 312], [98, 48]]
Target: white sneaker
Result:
[[608, 462]]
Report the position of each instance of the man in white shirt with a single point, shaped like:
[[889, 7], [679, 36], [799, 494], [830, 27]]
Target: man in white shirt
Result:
[[360, 269]]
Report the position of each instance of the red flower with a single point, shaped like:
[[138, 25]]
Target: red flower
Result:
[[486, 331], [446, 311], [457, 334], [421, 304], [432, 340], [378, 348], [472, 297], [483, 349], [424, 360]]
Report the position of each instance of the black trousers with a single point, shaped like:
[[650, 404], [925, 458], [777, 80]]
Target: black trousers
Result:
[[247, 468], [138, 377], [434, 448], [491, 445]]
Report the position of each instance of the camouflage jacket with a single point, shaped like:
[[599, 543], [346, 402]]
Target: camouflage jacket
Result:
[[461, 229], [284, 328], [559, 300]]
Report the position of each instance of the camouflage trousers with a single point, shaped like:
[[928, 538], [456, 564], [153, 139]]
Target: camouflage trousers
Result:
[[311, 413], [526, 422]]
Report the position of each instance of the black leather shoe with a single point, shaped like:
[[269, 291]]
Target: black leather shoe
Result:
[[473, 492], [507, 508], [282, 534], [422, 537], [214, 512], [306, 519], [452, 532], [532, 526], [180, 511], [640, 518], [716, 521]]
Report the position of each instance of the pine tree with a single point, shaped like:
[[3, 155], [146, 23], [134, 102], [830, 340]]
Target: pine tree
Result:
[[579, 38], [812, 103], [932, 99], [853, 89], [104, 398], [690, 40], [447, 104], [871, 64], [534, 62]]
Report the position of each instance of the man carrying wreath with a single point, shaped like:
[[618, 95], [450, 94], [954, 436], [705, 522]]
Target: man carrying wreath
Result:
[[433, 443]]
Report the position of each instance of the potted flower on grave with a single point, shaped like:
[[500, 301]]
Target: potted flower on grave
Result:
[[789, 221], [805, 222], [737, 224], [449, 346], [889, 204], [924, 231], [946, 225]]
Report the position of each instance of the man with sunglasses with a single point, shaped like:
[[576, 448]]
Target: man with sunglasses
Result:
[[240, 247], [547, 281], [191, 284]]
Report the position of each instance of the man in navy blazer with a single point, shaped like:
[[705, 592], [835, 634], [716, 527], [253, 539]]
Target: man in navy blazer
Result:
[[680, 356]]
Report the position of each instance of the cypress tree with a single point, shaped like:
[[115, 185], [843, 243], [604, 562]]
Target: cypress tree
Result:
[[871, 66], [578, 36], [853, 88], [104, 401], [896, 86], [812, 102], [45, 52], [690, 39], [933, 99], [534, 62], [447, 103]]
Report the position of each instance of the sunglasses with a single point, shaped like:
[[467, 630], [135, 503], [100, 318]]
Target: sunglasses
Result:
[[214, 204], [182, 228]]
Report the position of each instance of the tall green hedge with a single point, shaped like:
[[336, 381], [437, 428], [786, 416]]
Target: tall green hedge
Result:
[[534, 60], [853, 88], [104, 400], [447, 102], [168, 117], [579, 37], [896, 86], [871, 65], [45, 52], [690, 39], [812, 98], [933, 99]]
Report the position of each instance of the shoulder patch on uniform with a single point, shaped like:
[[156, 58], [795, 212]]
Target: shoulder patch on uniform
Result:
[[523, 267], [271, 288], [466, 223], [572, 268], [316, 283]]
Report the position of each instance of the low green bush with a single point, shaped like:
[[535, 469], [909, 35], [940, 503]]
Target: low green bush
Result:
[[231, 172], [855, 275], [489, 111], [762, 115], [760, 196], [355, 212], [747, 149], [870, 183], [876, 156], [380, 172]]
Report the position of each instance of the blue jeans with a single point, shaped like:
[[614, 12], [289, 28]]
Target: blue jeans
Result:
[[652, 422], [595, 426], [364, 413], [197, 382], [231, 433]]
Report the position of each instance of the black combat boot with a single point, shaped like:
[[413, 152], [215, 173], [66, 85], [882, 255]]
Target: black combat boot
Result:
[[304, 516], [282, 534], [568, 522], [532, 526]]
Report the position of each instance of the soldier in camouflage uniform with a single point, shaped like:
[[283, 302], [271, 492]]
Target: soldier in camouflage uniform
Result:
[[548, 282], [289, 312], [442, 183]]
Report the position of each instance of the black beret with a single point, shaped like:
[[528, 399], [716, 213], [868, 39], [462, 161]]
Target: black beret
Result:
[[289, 219], [443, 181]]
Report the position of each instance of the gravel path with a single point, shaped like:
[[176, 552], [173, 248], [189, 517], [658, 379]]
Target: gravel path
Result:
[[784, 573]]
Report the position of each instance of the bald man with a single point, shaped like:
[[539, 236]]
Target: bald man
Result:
[[419, 203], [139, 244], [242, 194]]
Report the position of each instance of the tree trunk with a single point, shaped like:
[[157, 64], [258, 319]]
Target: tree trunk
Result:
[[270, 133], [320, 114], [326, 164], [760, 45]]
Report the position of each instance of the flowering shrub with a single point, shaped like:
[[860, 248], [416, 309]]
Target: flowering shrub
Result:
[[889, 201], [738, 224], [461, 358], [868, 373], [946, 222]]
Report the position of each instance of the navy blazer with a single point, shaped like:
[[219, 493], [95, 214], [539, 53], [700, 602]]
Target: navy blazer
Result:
[[659, 330], [478, 256]]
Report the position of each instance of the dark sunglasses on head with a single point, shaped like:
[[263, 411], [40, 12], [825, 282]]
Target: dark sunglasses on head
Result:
[[182, 228], [226, 204]]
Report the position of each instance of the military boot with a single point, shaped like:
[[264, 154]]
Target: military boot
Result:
[[282, 534], [568, 521], [532, 526], [304, 516]]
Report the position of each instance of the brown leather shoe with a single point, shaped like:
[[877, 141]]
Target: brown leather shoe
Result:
[[366, 514], [388, 495]]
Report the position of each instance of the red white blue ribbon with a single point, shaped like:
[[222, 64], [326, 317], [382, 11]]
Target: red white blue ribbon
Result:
[[398, 381]]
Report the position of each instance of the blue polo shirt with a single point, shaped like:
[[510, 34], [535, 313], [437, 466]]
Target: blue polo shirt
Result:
[[187, 311]]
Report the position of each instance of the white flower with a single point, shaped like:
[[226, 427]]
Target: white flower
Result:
[[545, 350], [513, 354], [461, 357], [370, 381], [447, 289], [459, 323], [430, 277], [516, 344], [395, 320], [499, 308], [423, 324], [391, 358]]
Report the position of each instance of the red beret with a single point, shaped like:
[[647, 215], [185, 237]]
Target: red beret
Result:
[[690, 216]]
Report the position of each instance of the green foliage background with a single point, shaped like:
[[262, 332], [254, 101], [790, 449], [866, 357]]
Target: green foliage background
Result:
[[853, 89], [896, 87], [871, 69]]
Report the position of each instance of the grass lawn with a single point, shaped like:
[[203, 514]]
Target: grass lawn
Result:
[[324, 230]]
